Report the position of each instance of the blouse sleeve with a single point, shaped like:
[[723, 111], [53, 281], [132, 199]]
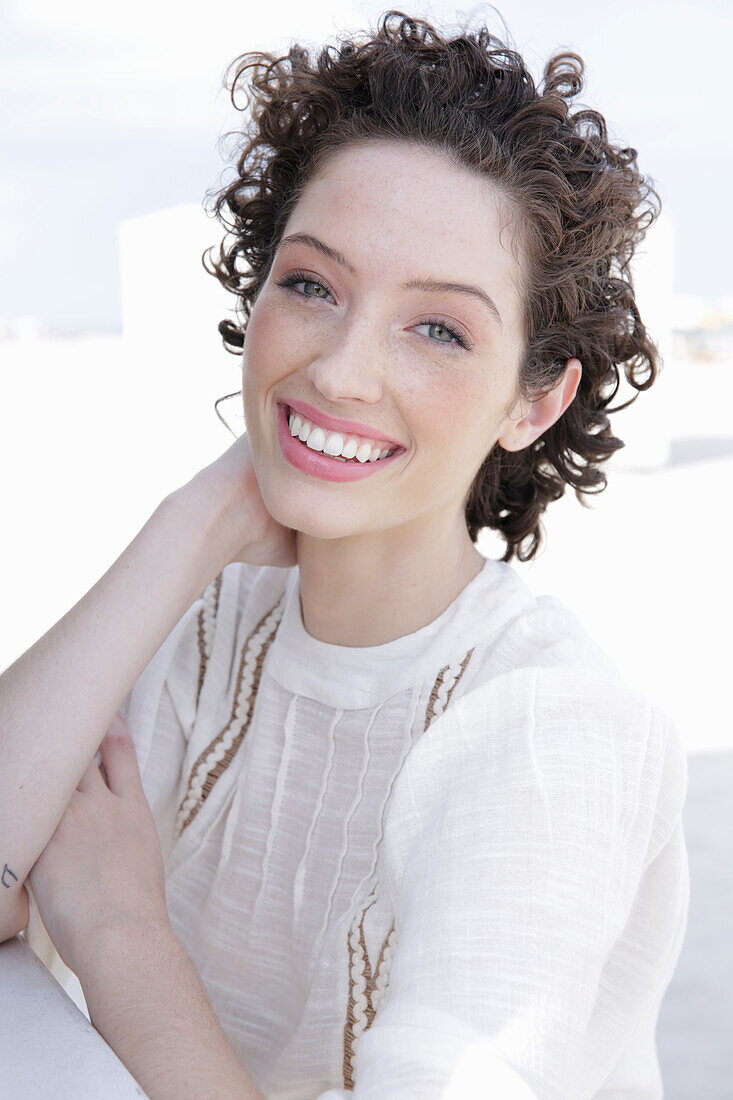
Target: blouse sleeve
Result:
[[534, 858], [160, 711]]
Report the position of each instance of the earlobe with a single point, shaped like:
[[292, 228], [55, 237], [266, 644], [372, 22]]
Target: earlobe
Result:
[[536, 417]]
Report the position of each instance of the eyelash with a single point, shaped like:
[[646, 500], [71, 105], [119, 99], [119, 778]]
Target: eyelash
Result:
[[302, 277]]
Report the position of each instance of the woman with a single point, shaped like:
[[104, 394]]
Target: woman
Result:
[[417, 835]]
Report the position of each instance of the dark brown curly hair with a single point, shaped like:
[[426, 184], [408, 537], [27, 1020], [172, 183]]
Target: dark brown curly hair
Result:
[[581, 208]]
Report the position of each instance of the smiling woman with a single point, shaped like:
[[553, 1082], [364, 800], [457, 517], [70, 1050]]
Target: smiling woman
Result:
[[419, 837], [369, 309]]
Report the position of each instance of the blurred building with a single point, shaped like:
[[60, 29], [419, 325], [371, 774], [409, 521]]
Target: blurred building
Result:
[[168, 299], [175, 361]]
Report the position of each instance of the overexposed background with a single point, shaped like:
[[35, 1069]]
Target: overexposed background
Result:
[[110, 361]]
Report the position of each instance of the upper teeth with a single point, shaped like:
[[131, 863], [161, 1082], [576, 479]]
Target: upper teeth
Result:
[[335, 443]]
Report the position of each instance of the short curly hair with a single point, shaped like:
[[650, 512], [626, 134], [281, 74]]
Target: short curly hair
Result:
[[581, 208]]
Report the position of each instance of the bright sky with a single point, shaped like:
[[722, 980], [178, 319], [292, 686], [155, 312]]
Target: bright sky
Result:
[[109, 113]]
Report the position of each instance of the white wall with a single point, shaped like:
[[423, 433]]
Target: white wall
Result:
[[96, 430]]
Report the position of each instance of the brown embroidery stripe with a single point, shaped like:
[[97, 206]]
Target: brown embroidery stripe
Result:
[[202, 644], [350, 1018], [226, 760], [372, 985], [369, 980], [436, 687]]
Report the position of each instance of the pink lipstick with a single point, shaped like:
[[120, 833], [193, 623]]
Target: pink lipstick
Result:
[[320, 465]]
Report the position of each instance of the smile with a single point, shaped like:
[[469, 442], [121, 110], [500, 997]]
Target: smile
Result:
[[365, 460]]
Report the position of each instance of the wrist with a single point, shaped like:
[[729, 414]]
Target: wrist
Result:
[[202, 515], [130, 950], [147, 1001]]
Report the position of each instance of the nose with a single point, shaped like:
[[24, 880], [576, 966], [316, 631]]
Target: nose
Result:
[[351, 367]]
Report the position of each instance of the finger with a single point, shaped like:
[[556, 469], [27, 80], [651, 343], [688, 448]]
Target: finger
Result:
[[120, 762], [91, 780]]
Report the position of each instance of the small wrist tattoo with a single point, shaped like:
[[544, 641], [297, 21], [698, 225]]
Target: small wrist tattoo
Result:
[[7, 871]]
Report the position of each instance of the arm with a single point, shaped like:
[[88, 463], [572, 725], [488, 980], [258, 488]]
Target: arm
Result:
[[100, 886], [146, 1000], [58, 698]]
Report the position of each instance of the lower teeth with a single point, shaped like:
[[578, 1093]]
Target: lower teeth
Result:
[[340, 458]]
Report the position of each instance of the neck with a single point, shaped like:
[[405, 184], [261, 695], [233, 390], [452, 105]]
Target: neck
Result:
[[369, 589]]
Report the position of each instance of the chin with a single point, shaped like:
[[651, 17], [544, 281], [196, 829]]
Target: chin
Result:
[[323, 522]]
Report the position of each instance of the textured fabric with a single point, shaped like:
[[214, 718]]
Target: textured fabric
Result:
[[450, 866]]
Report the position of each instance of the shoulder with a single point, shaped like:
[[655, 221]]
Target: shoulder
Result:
[[518, 632], [249, 592], [235, 603], [538, 679], [523, 629], [200, 646], [577, 747], [549, 711], [237, 609]]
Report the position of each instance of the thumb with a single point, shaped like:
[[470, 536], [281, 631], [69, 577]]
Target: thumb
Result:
[[120, 762]]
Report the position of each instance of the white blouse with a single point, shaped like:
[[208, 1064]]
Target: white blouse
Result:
[[450, 866]]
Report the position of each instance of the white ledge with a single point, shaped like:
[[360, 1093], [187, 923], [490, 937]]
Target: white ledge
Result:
[[47, 1046]]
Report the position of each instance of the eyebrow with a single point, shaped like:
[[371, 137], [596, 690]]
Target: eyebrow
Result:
[[320, 246], [437, 285], [455, 288]]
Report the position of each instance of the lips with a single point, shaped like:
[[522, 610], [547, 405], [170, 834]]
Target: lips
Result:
[[325, 467], [347, 427]]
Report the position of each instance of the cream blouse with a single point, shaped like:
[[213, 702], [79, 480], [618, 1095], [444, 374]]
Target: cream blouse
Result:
[[450, 866]]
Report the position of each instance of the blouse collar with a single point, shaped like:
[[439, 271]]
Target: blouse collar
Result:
[[352, 677]]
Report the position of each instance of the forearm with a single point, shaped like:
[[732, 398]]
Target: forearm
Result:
[[147, 1001], [58, 698]]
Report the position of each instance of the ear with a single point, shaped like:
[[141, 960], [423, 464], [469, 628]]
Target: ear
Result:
[[541, 415]]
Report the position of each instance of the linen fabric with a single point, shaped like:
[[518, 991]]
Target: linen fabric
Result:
[[449, 866]]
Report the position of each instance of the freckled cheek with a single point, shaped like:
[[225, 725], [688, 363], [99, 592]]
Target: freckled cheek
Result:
[[271, 344], [442, 418]]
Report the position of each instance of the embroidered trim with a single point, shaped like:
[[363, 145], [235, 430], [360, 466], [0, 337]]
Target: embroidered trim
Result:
[[216, 758], [445, 684], [206, 623], [366, 993]]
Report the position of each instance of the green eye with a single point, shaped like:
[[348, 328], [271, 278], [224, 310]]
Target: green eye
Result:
[[312, 282], [298, 278], [450, 335]]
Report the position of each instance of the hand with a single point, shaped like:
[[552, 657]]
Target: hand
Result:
[[249, 530], [102, 869]]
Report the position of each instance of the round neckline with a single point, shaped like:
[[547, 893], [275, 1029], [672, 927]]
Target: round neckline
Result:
[[355, 676]]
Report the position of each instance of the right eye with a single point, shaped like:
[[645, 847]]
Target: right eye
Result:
[[301, 277]]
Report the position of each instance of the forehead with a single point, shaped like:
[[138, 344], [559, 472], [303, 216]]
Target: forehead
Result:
[[408, 209]]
